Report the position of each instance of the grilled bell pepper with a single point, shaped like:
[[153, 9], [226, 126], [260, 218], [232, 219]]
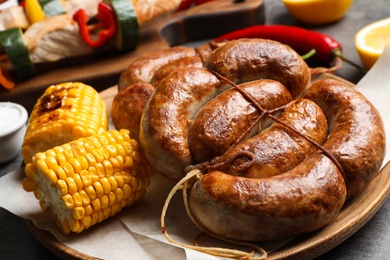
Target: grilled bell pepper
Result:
[[107, 22]]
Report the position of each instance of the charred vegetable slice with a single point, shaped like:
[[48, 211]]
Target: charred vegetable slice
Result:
[[128, 33], [11, 42]]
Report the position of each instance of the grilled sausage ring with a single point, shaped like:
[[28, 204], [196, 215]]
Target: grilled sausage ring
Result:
[[180, 95], [290, 178], [308, 196]]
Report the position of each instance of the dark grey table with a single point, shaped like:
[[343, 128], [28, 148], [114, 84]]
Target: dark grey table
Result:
[[370, 242]]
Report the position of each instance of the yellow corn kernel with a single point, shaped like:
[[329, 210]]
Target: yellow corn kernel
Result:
[[90, 190], [68, 168], [119, 194], [53, 118], [108, 169], [96, 205], [84, 198], [72, 187], [113, 182], [86, 178], [111, 198], [78, 181], [104, 201], [98, 189], [62, 187], [68, 200], [79, 191], [78, 212], [86, 220], [78, 202], [106, 185], [119, 178], [88, 209]]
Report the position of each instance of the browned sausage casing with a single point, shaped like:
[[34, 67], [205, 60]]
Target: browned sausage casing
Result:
[[128, 105], [144, 67], [221, 121], [308, 196], [357, 136], [278, 148], [248, 59], [182, 93]]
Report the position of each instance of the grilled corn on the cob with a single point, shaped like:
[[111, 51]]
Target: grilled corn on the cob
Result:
[[89, 179], [64, 112]]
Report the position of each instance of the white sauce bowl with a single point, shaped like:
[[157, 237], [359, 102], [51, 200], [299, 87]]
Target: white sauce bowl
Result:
[[13, 124]]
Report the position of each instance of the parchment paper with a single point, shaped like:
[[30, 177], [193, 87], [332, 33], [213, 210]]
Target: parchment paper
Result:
[[135, 233]]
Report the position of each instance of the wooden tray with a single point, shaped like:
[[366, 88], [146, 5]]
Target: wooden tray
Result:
[[102, 69], [354, 214]]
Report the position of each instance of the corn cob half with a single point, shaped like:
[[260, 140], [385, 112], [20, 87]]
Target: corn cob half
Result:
[[87, 180], [64, 112]]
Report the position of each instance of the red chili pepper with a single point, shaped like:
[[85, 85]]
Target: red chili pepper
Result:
[[107, 21], [300, 39], [184, 4]]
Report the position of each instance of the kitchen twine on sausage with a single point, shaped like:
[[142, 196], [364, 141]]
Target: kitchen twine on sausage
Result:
[[193, 172], [215, 251]]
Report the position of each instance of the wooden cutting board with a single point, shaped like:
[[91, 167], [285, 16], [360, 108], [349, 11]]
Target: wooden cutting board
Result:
[[102, 68], [355, 214]]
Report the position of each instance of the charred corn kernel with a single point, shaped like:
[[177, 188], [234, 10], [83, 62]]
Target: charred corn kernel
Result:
[[55, 117], [79, 192]]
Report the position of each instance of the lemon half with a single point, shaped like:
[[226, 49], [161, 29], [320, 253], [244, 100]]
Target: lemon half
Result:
[[371, 40], [317, 12]]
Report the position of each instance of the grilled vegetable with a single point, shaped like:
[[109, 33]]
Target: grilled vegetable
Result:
[[11, 42], [64, 112], [34, 11], [127, 36], [107, 21], [86, 181]]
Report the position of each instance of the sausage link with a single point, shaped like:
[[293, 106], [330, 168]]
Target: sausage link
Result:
[[181, 94], [300, 201], [174, 102], [248, 59], [143, 68], [223, 120], [163, 71], [278, 148], [357, 137], [128, 105], [308, 196]]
